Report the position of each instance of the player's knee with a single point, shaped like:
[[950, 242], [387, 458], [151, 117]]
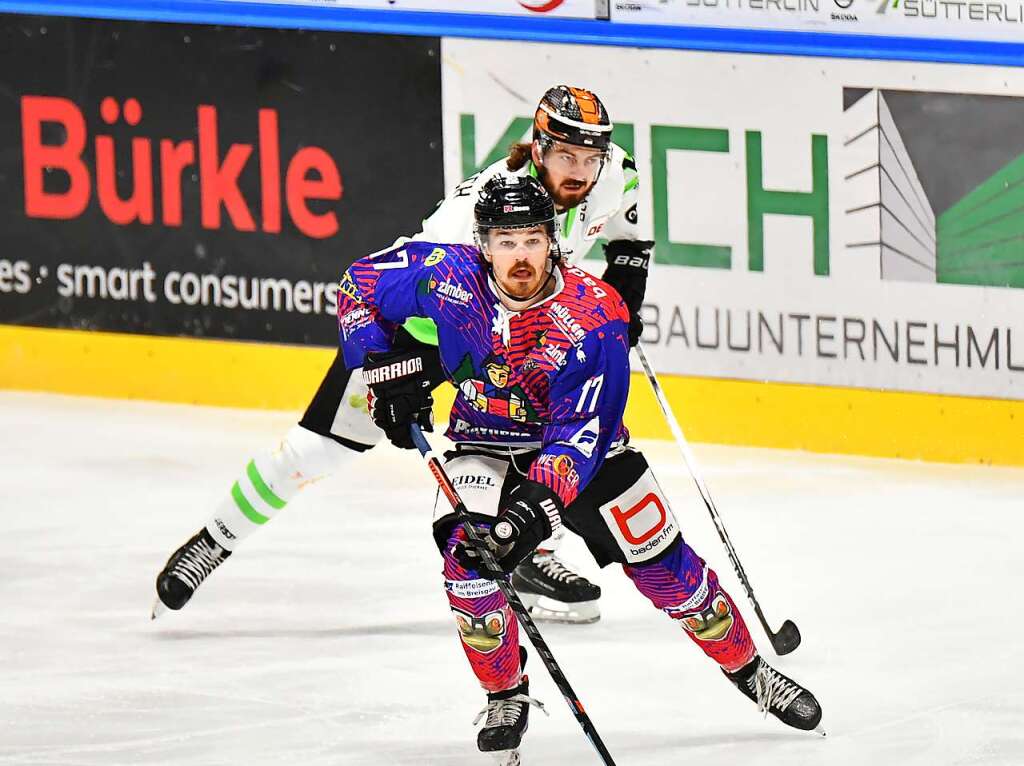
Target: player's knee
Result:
[[448, 535], [624, 515], [479, 479], [352, 422], [308, 456]]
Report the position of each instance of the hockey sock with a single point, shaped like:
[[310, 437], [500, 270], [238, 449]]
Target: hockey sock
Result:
[[683, 586], [487, 627], [270, 480]]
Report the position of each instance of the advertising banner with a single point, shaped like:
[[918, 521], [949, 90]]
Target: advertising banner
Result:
[[568, 9], [840, 222], [1002, 20], [205, 181]]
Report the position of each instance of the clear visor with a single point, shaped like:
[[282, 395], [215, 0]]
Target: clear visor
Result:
[[526, 238]]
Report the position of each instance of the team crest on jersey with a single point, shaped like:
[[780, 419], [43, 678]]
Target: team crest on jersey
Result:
[[489, 391]]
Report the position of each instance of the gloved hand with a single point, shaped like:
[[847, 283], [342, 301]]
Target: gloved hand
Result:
[[532, 512], [399, 393], [628, 262]]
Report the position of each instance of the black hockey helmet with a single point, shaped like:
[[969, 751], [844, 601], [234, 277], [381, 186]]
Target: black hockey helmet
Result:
[[514, 202], [573, 115]]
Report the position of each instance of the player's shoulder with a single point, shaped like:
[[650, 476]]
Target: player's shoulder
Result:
[[591, 301], [433, 253], [468, 189], [446, 263], [622, 161], [500, 167]]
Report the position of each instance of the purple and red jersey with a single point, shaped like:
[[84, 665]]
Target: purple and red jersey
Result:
[[554, 376]]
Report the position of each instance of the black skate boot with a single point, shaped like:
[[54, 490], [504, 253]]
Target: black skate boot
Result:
[[553, 592], [779, 695], [185, 571], [508, 714]]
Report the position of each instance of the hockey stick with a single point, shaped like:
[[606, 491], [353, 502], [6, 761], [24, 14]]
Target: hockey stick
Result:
[[510, 595], [788, 636]]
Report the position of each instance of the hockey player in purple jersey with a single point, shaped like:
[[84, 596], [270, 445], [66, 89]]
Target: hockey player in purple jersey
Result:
[[595, 186], [539, 354]]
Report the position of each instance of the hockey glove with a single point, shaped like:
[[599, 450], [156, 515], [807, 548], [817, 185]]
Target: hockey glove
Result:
[[531, 513], [628, 261], [399, 394]]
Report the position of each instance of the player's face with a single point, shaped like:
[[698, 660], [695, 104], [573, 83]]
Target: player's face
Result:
[[519, 259], [570, 172]]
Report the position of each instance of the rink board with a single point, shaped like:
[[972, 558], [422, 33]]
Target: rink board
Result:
[[842, 223], [266, 376], [808, 212]]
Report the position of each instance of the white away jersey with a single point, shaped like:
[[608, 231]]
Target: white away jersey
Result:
[[609, 210]]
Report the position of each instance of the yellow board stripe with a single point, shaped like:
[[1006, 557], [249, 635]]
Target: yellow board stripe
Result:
[[212, 372], [269, 376]]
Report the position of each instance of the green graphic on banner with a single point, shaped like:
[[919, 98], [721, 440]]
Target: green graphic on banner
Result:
[[981, 237], [665, 138], [760, 202], [813, 204], [518, 130]]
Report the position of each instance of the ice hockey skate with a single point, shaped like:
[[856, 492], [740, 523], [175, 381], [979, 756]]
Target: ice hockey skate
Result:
[[185, 571], [508, 714], [779, 695], [554, 593]]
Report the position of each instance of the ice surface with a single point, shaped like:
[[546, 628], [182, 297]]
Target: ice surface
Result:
[[326, 639]]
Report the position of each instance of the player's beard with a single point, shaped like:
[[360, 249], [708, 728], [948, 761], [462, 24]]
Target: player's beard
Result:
[[569, 193], [525, 284], [526, 289]]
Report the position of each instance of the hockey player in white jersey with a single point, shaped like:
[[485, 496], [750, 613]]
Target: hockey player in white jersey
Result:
[[595, 187]]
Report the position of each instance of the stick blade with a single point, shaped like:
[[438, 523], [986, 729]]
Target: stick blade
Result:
[[787, 639], [158, 609]]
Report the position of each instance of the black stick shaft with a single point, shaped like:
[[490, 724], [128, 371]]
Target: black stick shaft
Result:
[[578, 712], [691, 466]]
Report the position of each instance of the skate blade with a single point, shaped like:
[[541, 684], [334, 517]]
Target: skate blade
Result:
[[505, 757], [544, 609], [159, 609], [819, 730]]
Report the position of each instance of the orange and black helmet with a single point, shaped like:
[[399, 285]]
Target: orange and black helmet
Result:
[[573, 115]]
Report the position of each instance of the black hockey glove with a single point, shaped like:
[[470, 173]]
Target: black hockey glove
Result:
[[531, 513], [399, 393], [628, 261]]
